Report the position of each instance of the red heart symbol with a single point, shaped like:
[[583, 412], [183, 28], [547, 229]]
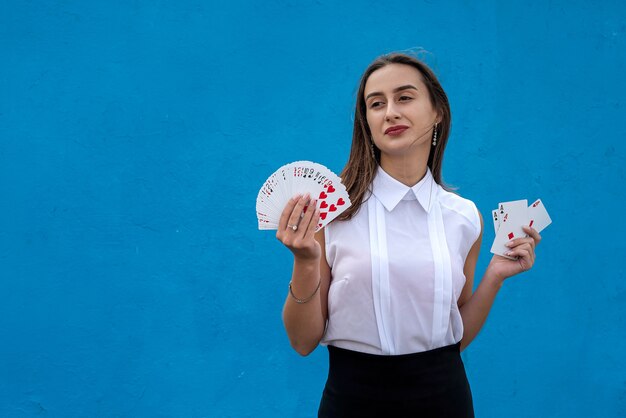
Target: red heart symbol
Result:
[[323, 205], [323, 215], [331, 189], [341, 202], [332, 208], [323, 195]]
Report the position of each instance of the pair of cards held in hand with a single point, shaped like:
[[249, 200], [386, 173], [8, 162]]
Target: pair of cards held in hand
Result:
[[301, 177], [509, 218]]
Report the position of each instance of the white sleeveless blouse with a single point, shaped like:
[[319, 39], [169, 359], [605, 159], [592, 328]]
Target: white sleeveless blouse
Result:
[[397, 268]]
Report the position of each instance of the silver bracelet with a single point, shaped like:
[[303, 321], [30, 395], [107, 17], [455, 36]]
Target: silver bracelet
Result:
[[301, 301]]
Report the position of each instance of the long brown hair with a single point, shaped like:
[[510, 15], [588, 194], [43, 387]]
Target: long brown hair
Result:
[[360, 170]]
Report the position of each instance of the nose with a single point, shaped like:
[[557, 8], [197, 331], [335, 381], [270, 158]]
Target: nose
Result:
[[392, 112]]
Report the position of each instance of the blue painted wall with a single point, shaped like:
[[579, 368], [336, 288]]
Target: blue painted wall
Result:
[[134, 137]]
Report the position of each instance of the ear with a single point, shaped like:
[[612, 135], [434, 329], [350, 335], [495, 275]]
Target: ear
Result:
[[439, 118]]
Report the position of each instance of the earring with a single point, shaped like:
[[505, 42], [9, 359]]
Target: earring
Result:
[[435, 135]]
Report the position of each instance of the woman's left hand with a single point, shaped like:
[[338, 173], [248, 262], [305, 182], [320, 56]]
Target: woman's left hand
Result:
[[523, 249]]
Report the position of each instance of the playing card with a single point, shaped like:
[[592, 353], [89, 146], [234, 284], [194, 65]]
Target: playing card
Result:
[[495, 214], [325, 187], [513, 216], [332, 202], [301, 177], [538, 216]]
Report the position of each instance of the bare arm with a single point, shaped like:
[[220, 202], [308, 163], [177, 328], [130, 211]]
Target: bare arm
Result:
[[475, 307], [305, 322]]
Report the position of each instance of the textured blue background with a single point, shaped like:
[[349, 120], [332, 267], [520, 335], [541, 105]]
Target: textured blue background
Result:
[[134, 137]]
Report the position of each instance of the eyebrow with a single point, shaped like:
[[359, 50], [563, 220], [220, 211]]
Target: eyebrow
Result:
[[397, 89]]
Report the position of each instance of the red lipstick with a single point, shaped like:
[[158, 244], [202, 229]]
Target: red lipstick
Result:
[[396, 130]]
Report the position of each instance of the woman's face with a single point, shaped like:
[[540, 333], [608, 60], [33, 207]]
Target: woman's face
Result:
[[399, 113]]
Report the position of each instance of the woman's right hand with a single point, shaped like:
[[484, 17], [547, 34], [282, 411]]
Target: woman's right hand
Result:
[[301, 241]]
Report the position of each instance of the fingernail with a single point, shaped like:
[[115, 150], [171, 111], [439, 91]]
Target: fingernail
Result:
[[508, 244], [508, 253]]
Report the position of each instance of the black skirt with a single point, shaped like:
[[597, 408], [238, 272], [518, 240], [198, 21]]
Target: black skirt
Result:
[[428, 384]]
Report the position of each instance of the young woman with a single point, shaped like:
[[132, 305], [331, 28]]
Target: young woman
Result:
[[388, 285]]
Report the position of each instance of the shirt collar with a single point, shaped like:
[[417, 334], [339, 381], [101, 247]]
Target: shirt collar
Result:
[[390, 191]]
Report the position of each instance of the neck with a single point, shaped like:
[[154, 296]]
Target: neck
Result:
[[407, 169]]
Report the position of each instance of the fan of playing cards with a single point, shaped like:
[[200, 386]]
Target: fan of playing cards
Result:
[[301, 177], [509, 218]]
